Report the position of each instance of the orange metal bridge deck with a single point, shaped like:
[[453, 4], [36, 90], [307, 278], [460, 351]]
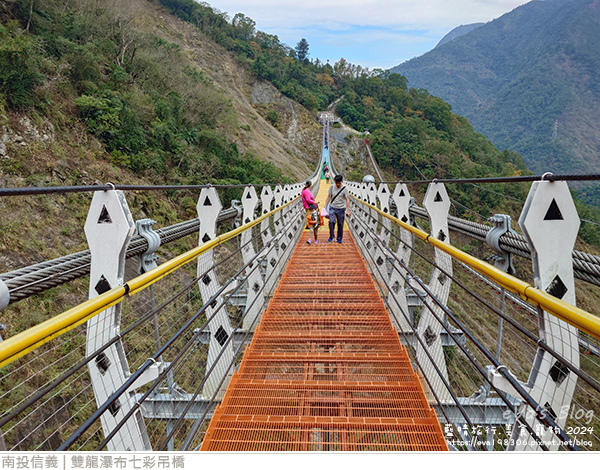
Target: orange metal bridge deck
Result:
[[325, 370]]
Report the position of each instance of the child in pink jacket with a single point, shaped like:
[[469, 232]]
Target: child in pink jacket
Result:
[[312, 212]]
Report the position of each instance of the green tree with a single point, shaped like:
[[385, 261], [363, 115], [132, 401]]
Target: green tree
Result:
[[244, 26], [19, 67], [272, 117], [302, 50]]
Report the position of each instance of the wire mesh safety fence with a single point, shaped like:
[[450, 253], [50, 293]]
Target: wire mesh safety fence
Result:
[[178, 360], [488, 337]]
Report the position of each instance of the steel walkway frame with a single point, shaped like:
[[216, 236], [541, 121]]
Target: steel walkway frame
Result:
[[325, 370]]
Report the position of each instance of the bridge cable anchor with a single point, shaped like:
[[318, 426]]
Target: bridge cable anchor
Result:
[[502, 258], [548, 176], [147, 260]]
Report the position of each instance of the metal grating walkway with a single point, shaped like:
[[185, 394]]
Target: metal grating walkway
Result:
[[325, 370]]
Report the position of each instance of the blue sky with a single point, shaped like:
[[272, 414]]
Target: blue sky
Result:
[[371, 33]]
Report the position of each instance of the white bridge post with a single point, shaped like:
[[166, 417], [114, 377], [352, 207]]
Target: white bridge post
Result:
[[209, 206], [267, 198], [437, 204], [397, 282], [372, 245], [550, 223], [361, 213], [379, 256], [254, 281], [285, 242], [109, 228]]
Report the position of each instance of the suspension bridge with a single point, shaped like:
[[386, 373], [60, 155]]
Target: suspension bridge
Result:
[[255, 340]]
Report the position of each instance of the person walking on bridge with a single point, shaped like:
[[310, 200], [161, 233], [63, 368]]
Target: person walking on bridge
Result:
[[339, 207], [312, 211]]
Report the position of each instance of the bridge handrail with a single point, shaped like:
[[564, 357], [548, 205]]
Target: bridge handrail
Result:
[[29, 280], [21, 344], [571, 314]]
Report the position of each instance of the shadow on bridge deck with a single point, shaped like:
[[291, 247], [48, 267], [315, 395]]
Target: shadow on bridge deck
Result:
[[325, 370]]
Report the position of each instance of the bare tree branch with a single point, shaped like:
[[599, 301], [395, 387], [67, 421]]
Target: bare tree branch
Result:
[[30, 15]]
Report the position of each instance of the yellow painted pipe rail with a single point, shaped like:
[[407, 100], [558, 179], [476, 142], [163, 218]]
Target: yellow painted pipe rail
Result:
[[21, 344], [571, 314]]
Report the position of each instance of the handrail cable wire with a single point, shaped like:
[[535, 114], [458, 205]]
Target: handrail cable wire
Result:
[[147, 316], [509, 179], [30, 280], [451, 334], [153, 312], [570, 313], [197, 423], [504, 179], [542, 417], [189, 344], [180, 420], [18, 345], [530, 401], [125, 386], [40, 190], [581, 374]]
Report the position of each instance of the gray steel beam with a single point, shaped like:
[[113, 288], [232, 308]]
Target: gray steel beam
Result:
[[491, 412], [407, 338], [167, 406]]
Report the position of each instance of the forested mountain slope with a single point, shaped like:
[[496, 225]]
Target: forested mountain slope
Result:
[[529, 81], [96, 91], [174, 91]]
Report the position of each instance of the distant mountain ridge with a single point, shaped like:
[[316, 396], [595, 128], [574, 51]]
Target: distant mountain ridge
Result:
[[458, 31], [529, 81]]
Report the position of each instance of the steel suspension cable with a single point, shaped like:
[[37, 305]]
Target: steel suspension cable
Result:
[[586, 266], [541, 416], [30, 280], [506, 179], [198, 422], [411, 275], [518, 387], [426, 351], [123, 388], [32, 190], [188, 406], [518, 243]]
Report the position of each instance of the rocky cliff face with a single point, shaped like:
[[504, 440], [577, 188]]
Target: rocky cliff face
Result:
[[21, 131], [350, 155], [345, 149], [292, 143], [296, 137]]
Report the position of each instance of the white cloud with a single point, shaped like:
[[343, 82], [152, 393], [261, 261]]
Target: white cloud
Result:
[[372, 33], [402, 14]]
